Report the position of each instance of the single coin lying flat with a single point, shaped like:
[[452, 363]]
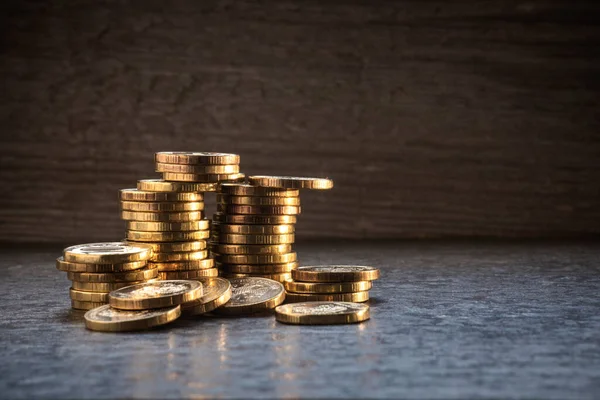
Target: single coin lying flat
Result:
[[335, 273], [108, 319], [322, 313]]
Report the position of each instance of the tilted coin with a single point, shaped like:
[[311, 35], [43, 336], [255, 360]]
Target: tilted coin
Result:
[[155, 295], [254, 229], [258, 201], [96, 297], [256, 258], [104, 287], [192, 157], [256, 239], [243, 189], [291, 182], [141, 195], [241, 249], [167, 236], [257, 210], [198, 169], [108, 319], [159, 185], [85, 305], [356, 297], [202, 224], [67, 266], [274, 277], [151, 206], [167, 247], [217, 291], [183, 256], [254, 219], [327, 287], [208, 178], [190, 274], [257, 268], [107, 253], [322, 313], [335, 273], [130, 276], [190, 265], [162, 216], [251, 295]]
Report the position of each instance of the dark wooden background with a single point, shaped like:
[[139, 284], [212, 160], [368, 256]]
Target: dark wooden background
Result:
[[435, 118]]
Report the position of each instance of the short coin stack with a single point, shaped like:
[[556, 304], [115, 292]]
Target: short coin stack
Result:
[[342, 283], [179, 166], [95, 269]]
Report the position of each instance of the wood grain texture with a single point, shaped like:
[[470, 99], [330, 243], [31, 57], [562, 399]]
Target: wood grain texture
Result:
[[434, 118]]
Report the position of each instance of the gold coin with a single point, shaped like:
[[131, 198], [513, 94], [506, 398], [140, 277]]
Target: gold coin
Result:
[[147, 206], [97, 297], [243, 189], [356, 297], [107, 253], [333, 287], [252, 294], [192, 157], [169, 247], [217, 291], [290, 182], [274, 277], [257, 268], [205, 178], [108, 319], [190, 274], [322, 313], [256, 239], [103, 287], [162, 217], [227, 249], [67, 266], [254, 229], [159, 185], [141, 195], [129, 276], [184, 265], [155, 295], [255, 219], [258, 201], [335, 273], [202, 224], [167, 236], [85, 305], [255, 258], [198, 169], [258, 210], [183, 256]]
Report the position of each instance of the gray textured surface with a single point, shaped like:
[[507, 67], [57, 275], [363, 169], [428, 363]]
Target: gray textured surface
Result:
[[449, 320], [457, 118]]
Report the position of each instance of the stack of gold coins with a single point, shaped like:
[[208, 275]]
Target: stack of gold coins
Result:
[[179, 166], [95, 269], [346, 283]]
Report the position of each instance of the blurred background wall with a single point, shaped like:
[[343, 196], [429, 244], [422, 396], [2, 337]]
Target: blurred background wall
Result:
[[434, 118]]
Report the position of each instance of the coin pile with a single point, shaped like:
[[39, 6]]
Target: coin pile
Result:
[[179, 166], [345, 283], [253, 228], [95, 269]]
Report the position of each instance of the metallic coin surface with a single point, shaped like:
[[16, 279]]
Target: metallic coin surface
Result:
[[190, 265], [158, 294], [275, 277], [254, 229], [255, 239], [322, 313], [257, 268], [217, 291], [104, 287], [142, 274], [258, 210], [327, 287], [192, 157], [108, 319], [255, 258], [67, 266], [141, 195], [356, 297], [96, 297], [163, 216], [227, 249], [159, 185], [167, 236], [190, 274], [252, 294], [198, 169], [205, 178], [335, 273], [168, 247], [151, 206], [258, 201], [202, 224], [85, 305], [243, 189], [107, 253], [291, 182], [183, 256], [255, 219]]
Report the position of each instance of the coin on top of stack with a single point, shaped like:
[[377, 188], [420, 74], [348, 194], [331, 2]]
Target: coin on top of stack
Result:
[[181, 166], [345, 283], [97, 268]]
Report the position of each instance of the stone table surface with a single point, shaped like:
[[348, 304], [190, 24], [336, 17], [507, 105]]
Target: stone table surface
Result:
[[460, 319]]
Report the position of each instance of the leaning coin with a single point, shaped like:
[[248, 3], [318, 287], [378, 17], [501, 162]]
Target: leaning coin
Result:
[[291, 182], [67, 266], [198, 169], [160, 185], [129, 276], [107, 253], [328, 287], [322, 313], [108, 319], [197, 158], [356, 297], [258, 201], [217, 291], [251, 295], [190, 274], [96, 297], [153, 206], [103, 287], [254, 219], [155, 295], [190, 265], [335, 273], [144, 195], [243, 189], [85, 305]]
